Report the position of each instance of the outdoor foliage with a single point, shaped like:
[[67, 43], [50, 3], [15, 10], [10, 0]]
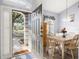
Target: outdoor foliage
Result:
[[17, 21]]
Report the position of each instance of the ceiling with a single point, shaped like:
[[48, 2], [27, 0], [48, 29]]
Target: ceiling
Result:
[[23, 4], [57, 6]]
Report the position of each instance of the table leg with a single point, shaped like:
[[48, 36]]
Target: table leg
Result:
[[62, 50]]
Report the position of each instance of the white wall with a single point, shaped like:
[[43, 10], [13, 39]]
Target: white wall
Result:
[[70, 26], [5, 31]]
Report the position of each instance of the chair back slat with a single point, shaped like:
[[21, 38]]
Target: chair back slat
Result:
[[76, 39], [72, 43]]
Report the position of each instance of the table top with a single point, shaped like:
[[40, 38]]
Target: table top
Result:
[[60, 38]]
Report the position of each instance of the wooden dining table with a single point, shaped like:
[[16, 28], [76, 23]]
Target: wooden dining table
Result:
[[61, 41]]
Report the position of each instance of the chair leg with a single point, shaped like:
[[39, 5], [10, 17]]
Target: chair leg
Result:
[[72, 54], [53, 51]]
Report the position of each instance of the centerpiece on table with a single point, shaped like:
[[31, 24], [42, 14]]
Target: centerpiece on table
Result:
[[64, 32]]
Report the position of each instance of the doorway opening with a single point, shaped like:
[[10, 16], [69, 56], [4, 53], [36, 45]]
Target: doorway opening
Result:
[[17, 30]]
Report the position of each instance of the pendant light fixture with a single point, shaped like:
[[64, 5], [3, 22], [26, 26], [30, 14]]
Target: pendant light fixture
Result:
[[78, 3], [66, 9]]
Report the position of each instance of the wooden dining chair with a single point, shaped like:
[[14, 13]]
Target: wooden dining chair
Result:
[[72, 44], [52, 44]]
